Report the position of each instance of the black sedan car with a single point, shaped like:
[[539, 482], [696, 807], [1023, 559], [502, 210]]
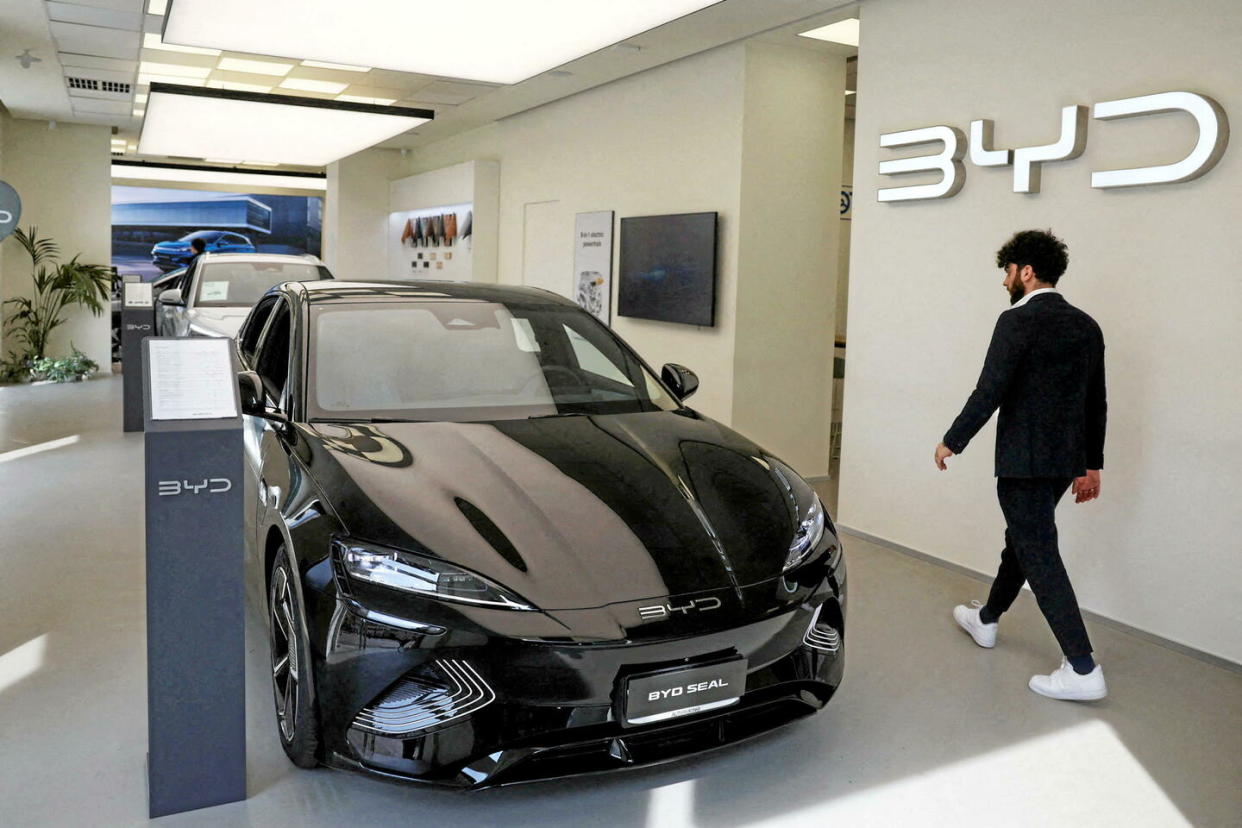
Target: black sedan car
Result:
[[498, 548]]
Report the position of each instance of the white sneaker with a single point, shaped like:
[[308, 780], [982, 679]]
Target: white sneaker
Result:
[[1064, 683], [968, 619]]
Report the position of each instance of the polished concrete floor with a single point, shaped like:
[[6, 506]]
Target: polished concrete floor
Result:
[[928, 729]]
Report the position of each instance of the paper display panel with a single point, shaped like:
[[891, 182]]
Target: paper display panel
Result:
[[138, 295], [214, 292], [192, 379]]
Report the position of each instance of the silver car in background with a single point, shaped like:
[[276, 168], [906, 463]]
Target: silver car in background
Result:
[[216, 293]]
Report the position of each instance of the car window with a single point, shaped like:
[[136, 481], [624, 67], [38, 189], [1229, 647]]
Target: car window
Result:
[[242, 283], [467, 360], [272, 365], [254, 327]]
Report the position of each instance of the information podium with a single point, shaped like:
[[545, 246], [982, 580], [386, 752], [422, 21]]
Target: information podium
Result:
[[196, 707], [137, 323]]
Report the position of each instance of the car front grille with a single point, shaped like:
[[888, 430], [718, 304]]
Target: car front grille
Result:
[[447, 690]]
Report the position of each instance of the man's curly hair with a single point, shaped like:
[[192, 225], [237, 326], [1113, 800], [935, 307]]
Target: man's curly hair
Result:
[[1045, 253]]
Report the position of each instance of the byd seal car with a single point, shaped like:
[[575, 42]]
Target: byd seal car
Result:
[[169, 255], [496, 547], [213, 297]]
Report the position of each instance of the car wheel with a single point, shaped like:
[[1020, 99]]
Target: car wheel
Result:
[[297, 721]]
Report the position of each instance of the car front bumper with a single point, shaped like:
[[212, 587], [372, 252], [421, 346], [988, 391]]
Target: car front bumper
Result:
[[520, 710]]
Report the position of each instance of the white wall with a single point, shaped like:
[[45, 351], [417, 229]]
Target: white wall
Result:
[[63, 178], [355, 221], [676, 140], [1156, 266], [474, 188]]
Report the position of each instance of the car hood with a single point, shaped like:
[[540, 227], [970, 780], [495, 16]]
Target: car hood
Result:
[[569, 512], [219, 321]]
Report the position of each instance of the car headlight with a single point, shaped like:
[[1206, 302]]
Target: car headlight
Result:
[[421, 575], [808, 534]]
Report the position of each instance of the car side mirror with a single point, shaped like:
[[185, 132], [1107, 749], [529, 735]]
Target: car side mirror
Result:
[[681, 379], [172, 296], [250, 388]]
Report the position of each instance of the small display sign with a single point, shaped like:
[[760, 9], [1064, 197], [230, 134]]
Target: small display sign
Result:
[[192, 379], [138, 295]]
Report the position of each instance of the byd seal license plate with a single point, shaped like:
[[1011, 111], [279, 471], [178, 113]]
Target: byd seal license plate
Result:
[[673, 693]]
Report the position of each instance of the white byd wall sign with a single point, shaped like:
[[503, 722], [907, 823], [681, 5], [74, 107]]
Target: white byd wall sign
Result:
[[1210, 146]]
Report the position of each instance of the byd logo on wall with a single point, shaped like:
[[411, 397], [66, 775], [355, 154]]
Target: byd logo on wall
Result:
[[1209, 147]]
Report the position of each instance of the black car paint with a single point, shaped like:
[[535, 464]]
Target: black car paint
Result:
[[588, 518]]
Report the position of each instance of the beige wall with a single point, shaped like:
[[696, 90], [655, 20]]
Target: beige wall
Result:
[[788, 231], [63, 178], [1154, 265]]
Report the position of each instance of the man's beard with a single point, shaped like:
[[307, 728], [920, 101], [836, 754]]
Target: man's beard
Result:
[[1016, 292]]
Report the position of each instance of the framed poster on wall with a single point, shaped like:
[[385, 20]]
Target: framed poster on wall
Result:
[[593, 263]]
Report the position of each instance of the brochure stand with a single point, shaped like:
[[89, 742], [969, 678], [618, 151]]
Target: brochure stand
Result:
[[196, 714], [137, 321]]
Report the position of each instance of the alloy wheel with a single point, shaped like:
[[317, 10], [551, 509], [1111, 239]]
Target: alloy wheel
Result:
[[284, 653]]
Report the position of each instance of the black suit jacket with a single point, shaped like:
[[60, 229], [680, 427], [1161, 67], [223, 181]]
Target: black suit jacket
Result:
[[1045, 372]]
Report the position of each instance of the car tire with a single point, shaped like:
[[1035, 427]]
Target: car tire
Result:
[[297, 720]]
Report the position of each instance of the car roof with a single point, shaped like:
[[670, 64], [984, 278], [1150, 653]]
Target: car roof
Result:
[[293, 258], [337, 291]]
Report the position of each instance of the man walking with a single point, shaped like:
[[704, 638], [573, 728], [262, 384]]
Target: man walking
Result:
[[1045, 372]]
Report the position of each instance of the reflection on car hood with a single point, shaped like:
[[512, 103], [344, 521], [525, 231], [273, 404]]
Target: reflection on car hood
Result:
[[570, 512], [219, 321]]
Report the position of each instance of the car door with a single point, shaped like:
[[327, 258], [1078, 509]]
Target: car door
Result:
[[272, 364], [248, 340]]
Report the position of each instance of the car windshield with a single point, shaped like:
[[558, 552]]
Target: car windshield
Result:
[[242, 283], [469, 360]]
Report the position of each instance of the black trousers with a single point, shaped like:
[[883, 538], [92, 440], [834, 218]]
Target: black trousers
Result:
[[1031, 554]]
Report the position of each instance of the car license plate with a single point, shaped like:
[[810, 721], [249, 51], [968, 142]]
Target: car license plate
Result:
[[670, 694]]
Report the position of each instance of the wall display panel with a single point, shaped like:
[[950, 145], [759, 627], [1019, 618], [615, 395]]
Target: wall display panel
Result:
[[593, 263], [668, 268], [432, 243], [152, 227]]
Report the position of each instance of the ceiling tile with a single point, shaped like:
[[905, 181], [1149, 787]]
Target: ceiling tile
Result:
[[102, 107], [91, 62], [94, 16], [93, 40]]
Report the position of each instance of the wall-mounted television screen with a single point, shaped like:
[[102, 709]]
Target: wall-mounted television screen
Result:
[[668, 268]]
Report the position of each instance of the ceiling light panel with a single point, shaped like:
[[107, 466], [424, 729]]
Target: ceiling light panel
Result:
[[308, 85], [239, 87], [143, 172], [151, 40], [498, 41], [201, 123], [844, 32], [340, 67], [255, 67], [366, 100]]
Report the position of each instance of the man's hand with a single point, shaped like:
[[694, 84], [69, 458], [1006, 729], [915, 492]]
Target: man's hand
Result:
[[942, 453], [1086, 487]]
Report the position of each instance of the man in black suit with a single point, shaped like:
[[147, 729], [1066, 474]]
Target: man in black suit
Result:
[[1045, 372]]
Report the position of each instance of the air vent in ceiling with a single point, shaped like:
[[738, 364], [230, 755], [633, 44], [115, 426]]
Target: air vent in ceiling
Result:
[[93, 85]]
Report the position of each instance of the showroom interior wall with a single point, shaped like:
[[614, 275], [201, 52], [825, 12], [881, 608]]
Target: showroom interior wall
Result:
[[674, 140], [1155, 265], [355, 214], [63, 178]]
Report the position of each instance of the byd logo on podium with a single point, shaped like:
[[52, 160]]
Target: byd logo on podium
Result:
[[1209, 147], [215, 485]]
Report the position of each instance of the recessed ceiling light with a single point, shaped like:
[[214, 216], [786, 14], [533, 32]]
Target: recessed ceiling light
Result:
[[365, 100], [138, 113], [307, 85], [140, 98], [157, 6], [238, 87], [148, 79], [258, 67], [319, 64], [498, 41], [279, 128], [141, 171], [844, 32], [173, 70], [151, 40]]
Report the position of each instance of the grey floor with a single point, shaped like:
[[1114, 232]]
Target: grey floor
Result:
[[927, 729]]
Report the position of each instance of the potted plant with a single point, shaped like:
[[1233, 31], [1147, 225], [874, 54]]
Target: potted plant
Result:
[[57, 286]]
